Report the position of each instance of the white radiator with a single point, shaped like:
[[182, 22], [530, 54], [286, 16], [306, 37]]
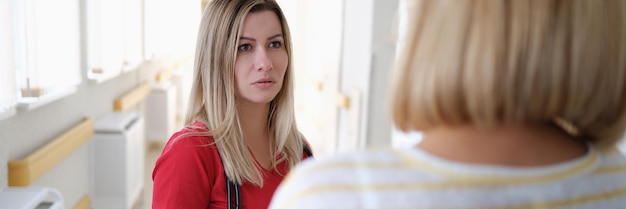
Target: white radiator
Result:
[[161, 112], [182, 81], [117, 159], [30, 197]]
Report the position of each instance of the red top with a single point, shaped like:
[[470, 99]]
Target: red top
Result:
[[190, 175]]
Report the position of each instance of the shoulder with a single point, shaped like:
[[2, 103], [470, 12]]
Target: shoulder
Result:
[[188, 138], [612, 161], [370, 159], [187, 149], [186, 170], [324, 175]]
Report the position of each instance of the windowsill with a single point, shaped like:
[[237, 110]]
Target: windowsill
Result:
[[7, 113], [102, 77], [108, 75], [131, 67], [30, 103]]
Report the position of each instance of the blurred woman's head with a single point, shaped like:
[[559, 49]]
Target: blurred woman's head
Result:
[[490, 62]]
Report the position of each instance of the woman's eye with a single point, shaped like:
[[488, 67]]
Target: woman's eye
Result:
[[244, 47], [275, 44]]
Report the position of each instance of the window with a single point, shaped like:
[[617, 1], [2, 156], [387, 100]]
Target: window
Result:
[[114, 37], [173, 34], [47, 49], [8, 90]]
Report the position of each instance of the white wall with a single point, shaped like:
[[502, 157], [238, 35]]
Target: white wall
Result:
[[367, 59], [356, 69], [342, 48], [7, 56], [316, 29], [384, 47], [4, 158]]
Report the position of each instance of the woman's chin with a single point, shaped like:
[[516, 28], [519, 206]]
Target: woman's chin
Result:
[[259, 99]]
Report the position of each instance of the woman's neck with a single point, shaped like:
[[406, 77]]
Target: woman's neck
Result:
[[253, 119], [508, 145], [254, 124]]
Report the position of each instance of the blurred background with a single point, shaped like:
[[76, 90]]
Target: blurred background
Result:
[[90, 90]]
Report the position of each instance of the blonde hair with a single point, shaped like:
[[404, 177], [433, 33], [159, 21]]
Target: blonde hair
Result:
[[486, 62], [212, 98]]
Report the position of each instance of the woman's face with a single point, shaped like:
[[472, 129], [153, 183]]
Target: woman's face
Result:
[[261, 58]]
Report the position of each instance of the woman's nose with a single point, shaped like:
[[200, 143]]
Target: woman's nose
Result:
[[263, 61]]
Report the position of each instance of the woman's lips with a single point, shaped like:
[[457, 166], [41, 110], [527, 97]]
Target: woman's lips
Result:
[[264, 83]]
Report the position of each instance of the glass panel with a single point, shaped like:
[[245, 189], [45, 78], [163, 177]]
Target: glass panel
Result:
[[105, 36], [8, 90], [133, 38], [114, 36], [174, 33], [49, 52]]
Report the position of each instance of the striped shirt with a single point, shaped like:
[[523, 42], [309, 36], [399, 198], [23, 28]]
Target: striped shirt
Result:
[[412, 178]]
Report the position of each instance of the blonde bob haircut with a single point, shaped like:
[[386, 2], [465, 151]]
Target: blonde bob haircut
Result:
[[213, 100], [490, 62]]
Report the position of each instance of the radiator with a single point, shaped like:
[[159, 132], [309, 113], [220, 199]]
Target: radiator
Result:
[[117, 159], [161, 112], [30, 197]]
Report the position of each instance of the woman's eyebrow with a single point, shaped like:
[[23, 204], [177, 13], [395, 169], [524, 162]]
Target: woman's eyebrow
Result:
[[275, 36], [252, 39], [246, 38]]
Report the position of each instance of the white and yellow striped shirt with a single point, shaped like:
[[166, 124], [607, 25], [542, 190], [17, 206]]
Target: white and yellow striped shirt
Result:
[[411, 178]]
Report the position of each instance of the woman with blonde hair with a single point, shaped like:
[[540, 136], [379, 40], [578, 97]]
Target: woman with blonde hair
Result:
[[240, 137], [521, 105]]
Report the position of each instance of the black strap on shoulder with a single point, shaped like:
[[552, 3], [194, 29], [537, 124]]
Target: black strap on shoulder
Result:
[[237, 203], [307, 151], [229, 187]]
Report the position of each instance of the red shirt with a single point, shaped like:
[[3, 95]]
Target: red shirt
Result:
[[190, 175]]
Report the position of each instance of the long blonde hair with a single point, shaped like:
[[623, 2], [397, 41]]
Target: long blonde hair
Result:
[[212, 98], [485, 62]]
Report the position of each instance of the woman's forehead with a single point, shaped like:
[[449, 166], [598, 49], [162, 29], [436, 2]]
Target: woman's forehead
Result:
[[261, 25]]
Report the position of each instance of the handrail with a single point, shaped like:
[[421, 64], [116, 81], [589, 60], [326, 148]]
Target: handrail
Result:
[[83, 203], [25, 171], [132, 98], [163, 76]]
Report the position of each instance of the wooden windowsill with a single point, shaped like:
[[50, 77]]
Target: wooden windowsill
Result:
[[98, 75], [30, 103], [101, 78], [129, 67]]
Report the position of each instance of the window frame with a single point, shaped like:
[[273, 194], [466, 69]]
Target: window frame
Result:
[[31, 31]]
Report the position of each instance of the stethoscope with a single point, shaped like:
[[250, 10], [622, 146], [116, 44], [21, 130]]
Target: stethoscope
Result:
[[233, 189], [229, 187]]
